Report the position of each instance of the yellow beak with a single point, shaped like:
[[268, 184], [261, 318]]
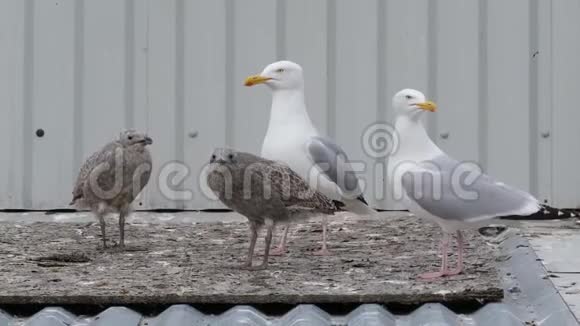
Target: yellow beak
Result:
[[256, 79], [427, 106]]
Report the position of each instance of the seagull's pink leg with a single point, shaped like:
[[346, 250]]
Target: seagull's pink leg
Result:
[[444, 269], [324, 251], [459, 267], [280, 250]]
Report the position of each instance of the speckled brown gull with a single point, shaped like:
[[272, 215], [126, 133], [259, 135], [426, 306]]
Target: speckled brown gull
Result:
[[110, 179], [264, 191]]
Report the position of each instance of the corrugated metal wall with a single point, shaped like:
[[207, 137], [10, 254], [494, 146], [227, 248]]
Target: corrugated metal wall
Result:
[[505, 74]]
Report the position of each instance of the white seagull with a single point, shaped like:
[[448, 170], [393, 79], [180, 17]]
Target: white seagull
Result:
[[292, 139], [456, 195]]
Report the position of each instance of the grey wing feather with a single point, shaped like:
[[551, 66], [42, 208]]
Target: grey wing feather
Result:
[[333, 161], [442, 190]]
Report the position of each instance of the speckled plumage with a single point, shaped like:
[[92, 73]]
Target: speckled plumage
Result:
[[264, 191], [110, 179]]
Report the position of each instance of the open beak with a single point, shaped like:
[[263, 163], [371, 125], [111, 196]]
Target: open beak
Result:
[[427, 106], [256, 79]]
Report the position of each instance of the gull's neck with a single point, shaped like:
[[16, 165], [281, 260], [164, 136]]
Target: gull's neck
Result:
[[414, 142], [288, 109]]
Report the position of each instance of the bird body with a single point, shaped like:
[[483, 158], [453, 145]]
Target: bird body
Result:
[[420, 160], [289, 133], [110, 179], [265, 191], [293, 139]]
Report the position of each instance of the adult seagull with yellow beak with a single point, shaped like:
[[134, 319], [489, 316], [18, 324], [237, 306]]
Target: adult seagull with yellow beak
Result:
[[292, 139], [456, 195]]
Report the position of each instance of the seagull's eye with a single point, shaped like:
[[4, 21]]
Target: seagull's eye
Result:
[[213, 157], [409, 97], [280, 70], [130, 137], [231, 156]]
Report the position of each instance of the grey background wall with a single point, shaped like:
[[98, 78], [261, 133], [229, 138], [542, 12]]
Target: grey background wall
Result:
[[506, 75]]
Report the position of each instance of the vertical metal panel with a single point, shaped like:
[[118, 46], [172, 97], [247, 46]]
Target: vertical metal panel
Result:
[[508, 103], [78, 87], [356, 94], [52, 154], [162, 94], [306, 44], [254, 45], [27, 101], [457, 78], [12, 28], [565, 115], [503, 73], [407, 52], [407, 57], [205, 105], [137, 77], [103, 106], [543, 61], [534, 98]]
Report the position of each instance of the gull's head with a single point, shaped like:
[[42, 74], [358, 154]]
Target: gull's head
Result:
[[132, 137], [285, 75], [412, 103], [223, 156]]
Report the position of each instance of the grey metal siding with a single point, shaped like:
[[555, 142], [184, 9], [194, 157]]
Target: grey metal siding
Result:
[[505, 75]]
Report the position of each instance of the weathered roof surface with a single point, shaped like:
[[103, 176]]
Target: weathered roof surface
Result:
[[373, 261], [530, 299]]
